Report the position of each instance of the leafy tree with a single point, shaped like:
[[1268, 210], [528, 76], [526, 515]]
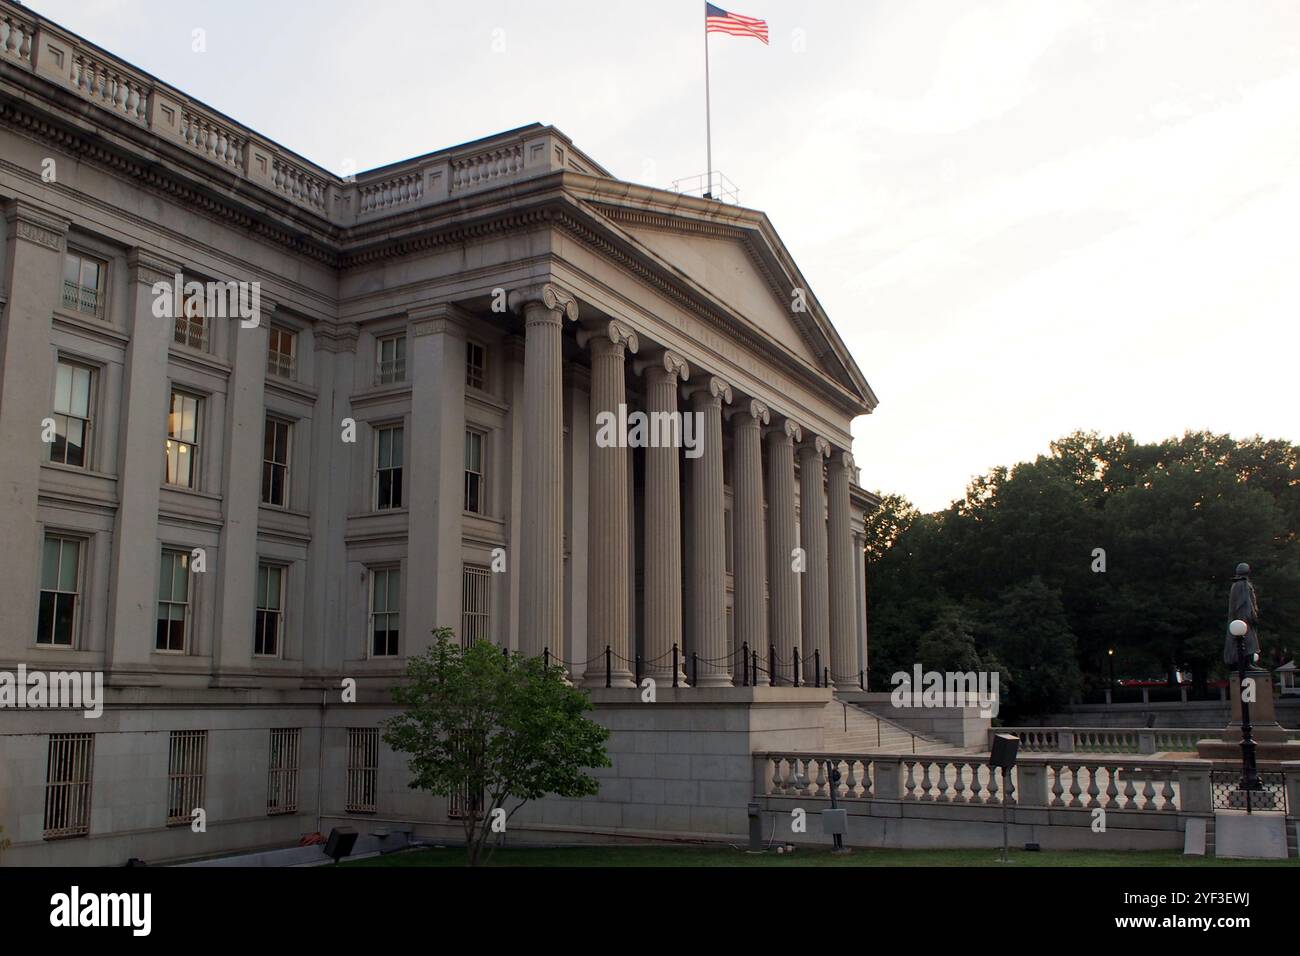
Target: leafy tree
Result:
[[493, 728]]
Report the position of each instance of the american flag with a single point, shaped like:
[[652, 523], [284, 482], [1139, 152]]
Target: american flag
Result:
[[717, 20]]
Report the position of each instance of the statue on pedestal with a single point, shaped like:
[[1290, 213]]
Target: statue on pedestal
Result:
[[1243, 605]]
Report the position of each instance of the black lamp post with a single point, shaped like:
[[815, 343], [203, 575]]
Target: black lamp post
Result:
[[1110, 656], [1249, 771]]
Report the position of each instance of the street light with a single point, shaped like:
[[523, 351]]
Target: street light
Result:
[[1110, 655], [1249, 772]]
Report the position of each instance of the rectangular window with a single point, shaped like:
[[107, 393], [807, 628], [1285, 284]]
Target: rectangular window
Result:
[[363, 769], [282, 782], [474, 472], [270, 610], [385, 611], [173, 601], [70, 763], [192, 322], [388, 466], [390, 359], [187, 765], [182, 450], [275, 462], [475, 603], [280, 351], [73, 388], [83, 284], [56, 619], [475, 365]]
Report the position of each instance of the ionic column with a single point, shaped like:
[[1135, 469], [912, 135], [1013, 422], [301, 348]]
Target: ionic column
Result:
[[749, 546], [812, 524], [608, 565], [541, 563], [782, 578], [663, 521], [708, 536], [843, 589]]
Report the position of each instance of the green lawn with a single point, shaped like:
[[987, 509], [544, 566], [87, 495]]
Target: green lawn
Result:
[[727, 856]]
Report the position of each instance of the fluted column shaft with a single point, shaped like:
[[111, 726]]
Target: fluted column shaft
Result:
[[709, 585], [812, 513], [663, 526], [843, 590], [608, 576], [541, 561], [749, 564], [783, 580]]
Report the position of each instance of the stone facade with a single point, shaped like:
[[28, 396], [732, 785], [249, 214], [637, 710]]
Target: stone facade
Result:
[[403, 437]]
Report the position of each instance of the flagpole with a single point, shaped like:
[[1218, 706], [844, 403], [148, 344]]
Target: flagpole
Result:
[[708, 115]]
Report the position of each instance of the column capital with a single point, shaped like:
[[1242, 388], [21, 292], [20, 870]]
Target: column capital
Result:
[[34, 224], [668, 361], [148, 268], [757, 411], [816, 445], [438, 319], [546, 294], [613, 332], [712, 389], [788, 431]]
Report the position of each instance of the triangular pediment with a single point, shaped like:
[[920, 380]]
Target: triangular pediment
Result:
[[741, 265]]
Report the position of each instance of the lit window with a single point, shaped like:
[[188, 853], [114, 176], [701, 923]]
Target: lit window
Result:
[[73, 386], [60, 586], [390, 355], [385, 611], [182, 449], [275, 463], [475, 365], [280, 352], [474, 472], [83, 284], [270, 610], [388, 467]]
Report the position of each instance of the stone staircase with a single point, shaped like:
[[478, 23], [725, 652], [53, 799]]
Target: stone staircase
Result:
[[853, 729]]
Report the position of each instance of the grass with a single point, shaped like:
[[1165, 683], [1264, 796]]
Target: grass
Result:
[[711, 856]]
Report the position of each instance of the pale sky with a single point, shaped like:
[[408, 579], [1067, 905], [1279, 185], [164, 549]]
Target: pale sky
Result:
[[1023, 217]]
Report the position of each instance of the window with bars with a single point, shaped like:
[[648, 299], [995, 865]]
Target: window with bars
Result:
[[83, 284], [474, 485], [385, 611], [282, 780], [281, 349], [181, 455], [270, 610], [388, 466], [463, 801], [275, 462], [475, 365], [390, 359], [56, 617], [69, 767], [187, 766], [73, 389], [363, 769], [173, 601], [192, 323], [475, 604]]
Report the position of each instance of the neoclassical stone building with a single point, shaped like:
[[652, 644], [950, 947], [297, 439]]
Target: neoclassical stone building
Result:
[[226, 515]]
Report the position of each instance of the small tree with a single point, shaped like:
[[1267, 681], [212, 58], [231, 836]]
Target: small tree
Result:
[[491, 728]]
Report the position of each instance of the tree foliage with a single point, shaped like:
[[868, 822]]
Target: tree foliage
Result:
[[491, 728], [1017, 558]]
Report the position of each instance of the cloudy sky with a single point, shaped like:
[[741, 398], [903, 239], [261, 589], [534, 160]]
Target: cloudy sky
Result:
[[1023, 217]]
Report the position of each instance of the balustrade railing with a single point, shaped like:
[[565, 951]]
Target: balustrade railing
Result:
[[16, 37], [1105, 740], [501, 162], [1115, 783], [111, 88]]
